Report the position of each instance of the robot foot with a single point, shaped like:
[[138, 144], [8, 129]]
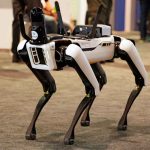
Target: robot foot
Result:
[[69, 141], [85, 123], [31, 136], [122, 127]]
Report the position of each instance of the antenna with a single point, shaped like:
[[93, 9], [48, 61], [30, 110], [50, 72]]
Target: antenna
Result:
[[61, 28], [93, 32], [22, 28]]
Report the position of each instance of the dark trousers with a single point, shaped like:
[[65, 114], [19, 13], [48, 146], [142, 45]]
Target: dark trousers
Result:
[[145, 8], [50, 24], [18, 7], [104, 14]]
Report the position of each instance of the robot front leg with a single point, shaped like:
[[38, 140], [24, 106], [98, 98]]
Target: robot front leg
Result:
[[101, 77], [129, 53], [76, 59], [49, 88]]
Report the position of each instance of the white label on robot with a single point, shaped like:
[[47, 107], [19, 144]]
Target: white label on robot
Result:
[[34, 35]]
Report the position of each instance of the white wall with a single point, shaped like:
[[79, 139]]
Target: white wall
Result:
[[82, 9], [5, 24], [5, 28], [130, 14]]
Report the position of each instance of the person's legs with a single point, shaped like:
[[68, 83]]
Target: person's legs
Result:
[[108, 11], [148, 22], [143, 18], [50, 23], [17, 8]]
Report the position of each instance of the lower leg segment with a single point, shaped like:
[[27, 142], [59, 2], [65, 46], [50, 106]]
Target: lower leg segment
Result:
[[69, 137], [31, 131], [85, 120], [122, 125], [101, 78]]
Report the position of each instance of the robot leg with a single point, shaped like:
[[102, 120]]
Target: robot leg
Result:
[[49, 88], [76, 59], [101, 77], [128, 52]]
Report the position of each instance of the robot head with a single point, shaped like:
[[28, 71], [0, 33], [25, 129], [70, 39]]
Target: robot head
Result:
[[38, 27]]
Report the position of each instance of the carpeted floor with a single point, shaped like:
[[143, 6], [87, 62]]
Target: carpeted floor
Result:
[[20, 91]]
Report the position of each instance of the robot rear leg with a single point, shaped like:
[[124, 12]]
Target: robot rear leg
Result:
[[127, 51]]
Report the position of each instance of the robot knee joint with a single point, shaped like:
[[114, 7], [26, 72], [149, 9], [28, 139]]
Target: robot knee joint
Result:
[[52, 87], [90, 91], [127, 46], [49, 86], [74, 51], [126, 49]]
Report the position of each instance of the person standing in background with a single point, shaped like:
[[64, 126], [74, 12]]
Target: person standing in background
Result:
[[145, 9], [50, 16], [92, 10]]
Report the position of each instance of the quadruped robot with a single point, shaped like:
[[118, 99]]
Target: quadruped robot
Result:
[[83, 49]]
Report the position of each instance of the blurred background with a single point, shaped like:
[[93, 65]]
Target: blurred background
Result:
[[125, 16]]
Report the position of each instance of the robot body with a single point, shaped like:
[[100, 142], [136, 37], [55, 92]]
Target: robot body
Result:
[[98, 49]]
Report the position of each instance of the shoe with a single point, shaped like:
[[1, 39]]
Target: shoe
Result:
[[15, 59]]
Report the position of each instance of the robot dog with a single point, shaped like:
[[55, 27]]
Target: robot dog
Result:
[[82, 50]]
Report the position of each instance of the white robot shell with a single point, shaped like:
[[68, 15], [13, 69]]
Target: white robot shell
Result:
[[129, 47], [103, 51], [76, 52], [42, 56], [21, 45]]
